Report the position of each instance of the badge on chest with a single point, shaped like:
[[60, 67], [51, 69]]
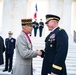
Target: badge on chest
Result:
[[51, 39], [12, 40]]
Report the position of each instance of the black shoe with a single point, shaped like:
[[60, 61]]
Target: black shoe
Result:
[[9, 70], [5, 70]]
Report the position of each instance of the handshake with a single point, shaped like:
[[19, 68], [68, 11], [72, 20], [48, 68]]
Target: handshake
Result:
[[39, 52]]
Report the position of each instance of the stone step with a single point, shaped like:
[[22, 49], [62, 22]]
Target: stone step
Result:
[[38, 43]]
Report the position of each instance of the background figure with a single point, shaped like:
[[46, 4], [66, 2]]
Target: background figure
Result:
[[24, 51], [9, 51], [56, 48], [2, 49], [41, 26], [35, 26]]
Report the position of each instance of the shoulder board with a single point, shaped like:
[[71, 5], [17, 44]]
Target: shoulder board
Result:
[[61, 29]]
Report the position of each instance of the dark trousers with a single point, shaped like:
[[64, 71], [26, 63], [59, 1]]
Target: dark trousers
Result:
[[40, 32], [35, 31], [8, 62]]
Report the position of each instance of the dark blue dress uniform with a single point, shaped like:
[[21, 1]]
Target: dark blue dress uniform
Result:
[[2, 49], [35, 26], [56, 48], [41, 26], [9, 51]]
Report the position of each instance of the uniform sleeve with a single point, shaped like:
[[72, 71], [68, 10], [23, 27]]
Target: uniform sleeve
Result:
[[23, 49], [43, 53], [5, 41], [3, 46], [61, 52]]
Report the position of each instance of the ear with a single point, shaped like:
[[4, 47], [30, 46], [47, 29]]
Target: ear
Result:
[[25, 27]]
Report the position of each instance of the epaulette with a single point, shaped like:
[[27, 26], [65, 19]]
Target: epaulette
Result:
[[61, 29]]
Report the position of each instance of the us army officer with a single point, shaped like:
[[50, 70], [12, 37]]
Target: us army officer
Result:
[[56, 48]]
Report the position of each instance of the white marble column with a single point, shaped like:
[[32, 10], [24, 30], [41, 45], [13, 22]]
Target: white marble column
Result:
[[14, 11], [6, 17], [67, 18], [74, 16], [52, 6], [52, 9]]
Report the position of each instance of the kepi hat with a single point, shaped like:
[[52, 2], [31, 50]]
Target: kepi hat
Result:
[[26, 22]]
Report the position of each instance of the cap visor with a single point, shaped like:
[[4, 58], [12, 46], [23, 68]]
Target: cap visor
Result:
[[47, 22]]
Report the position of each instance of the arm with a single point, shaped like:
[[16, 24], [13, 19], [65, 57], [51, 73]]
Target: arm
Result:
[[14, 43], [22, 46], [43, 53], [3, 47], [61, 52]]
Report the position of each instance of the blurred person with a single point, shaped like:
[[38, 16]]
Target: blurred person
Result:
[[9, 51], [2, 49], [35, 26], [41, 26]]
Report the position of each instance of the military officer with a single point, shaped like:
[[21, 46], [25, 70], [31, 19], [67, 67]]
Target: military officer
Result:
[[24, 51], [41, 26], [56, 48], [9, 51], [35, 26]]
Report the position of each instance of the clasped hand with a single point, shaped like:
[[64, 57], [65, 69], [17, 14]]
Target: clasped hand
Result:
[[39, 52]]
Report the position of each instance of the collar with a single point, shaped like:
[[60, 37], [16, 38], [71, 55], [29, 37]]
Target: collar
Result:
[[10, 37], [27, 35], [24, 32], [54, 29]]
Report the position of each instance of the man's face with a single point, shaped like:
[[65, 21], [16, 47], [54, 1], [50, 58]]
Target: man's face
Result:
[[10, 35], [51, 24], [29, 28]]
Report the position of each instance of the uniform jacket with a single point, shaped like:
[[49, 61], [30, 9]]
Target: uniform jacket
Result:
[[56, 49], [35, 24], [10, 45], [41, 25], [2, 49], [24, 55]]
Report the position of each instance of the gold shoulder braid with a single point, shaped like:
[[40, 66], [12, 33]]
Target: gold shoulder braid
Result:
[[61, 29]]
